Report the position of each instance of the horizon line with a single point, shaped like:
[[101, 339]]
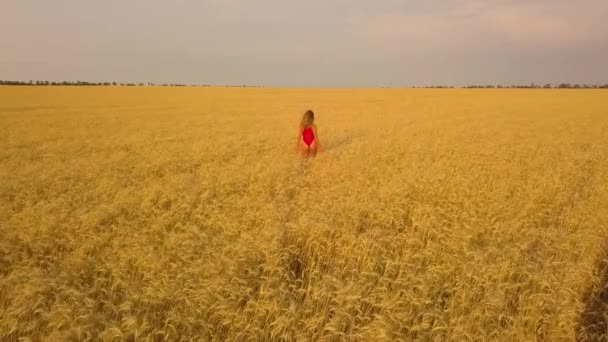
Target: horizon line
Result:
[[532, 85]]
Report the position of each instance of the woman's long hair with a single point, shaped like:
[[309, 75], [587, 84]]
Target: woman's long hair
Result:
[[307, 119]]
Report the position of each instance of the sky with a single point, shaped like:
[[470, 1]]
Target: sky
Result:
[[313, 43]]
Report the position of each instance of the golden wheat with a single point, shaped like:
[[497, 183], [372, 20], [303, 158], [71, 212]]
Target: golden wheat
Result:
[[183, 213]]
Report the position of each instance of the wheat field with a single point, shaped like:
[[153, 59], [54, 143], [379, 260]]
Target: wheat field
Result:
[[149, 213]]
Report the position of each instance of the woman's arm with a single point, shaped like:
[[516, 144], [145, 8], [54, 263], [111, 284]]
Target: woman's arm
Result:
[[298, 139], [317, 140]]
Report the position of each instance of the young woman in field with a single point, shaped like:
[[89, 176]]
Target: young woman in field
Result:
[[308, 138]]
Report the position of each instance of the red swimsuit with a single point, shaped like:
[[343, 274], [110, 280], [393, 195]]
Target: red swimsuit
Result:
[[308, 136]]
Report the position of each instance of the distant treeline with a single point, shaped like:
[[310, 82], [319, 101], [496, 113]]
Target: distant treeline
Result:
[[81, 83], [531, 86], [152, 84], [106, 84]]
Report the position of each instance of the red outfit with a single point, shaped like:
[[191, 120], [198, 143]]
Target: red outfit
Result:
[[308, 136]]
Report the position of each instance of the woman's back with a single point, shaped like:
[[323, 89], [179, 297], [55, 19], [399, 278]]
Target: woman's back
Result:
[[308, 135]]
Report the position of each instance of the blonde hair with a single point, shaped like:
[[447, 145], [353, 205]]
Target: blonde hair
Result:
[[307, 119]]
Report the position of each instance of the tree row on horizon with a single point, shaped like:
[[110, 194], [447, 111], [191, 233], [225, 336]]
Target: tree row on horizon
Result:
[[152, 84]]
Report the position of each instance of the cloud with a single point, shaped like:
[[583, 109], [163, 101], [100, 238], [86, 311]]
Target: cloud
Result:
[[549, 23], [474, 22], [391, 26]]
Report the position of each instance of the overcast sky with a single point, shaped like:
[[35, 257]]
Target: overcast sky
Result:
[[325, 43]]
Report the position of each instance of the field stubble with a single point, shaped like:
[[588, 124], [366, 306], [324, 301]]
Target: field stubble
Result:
[[177, 213]]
